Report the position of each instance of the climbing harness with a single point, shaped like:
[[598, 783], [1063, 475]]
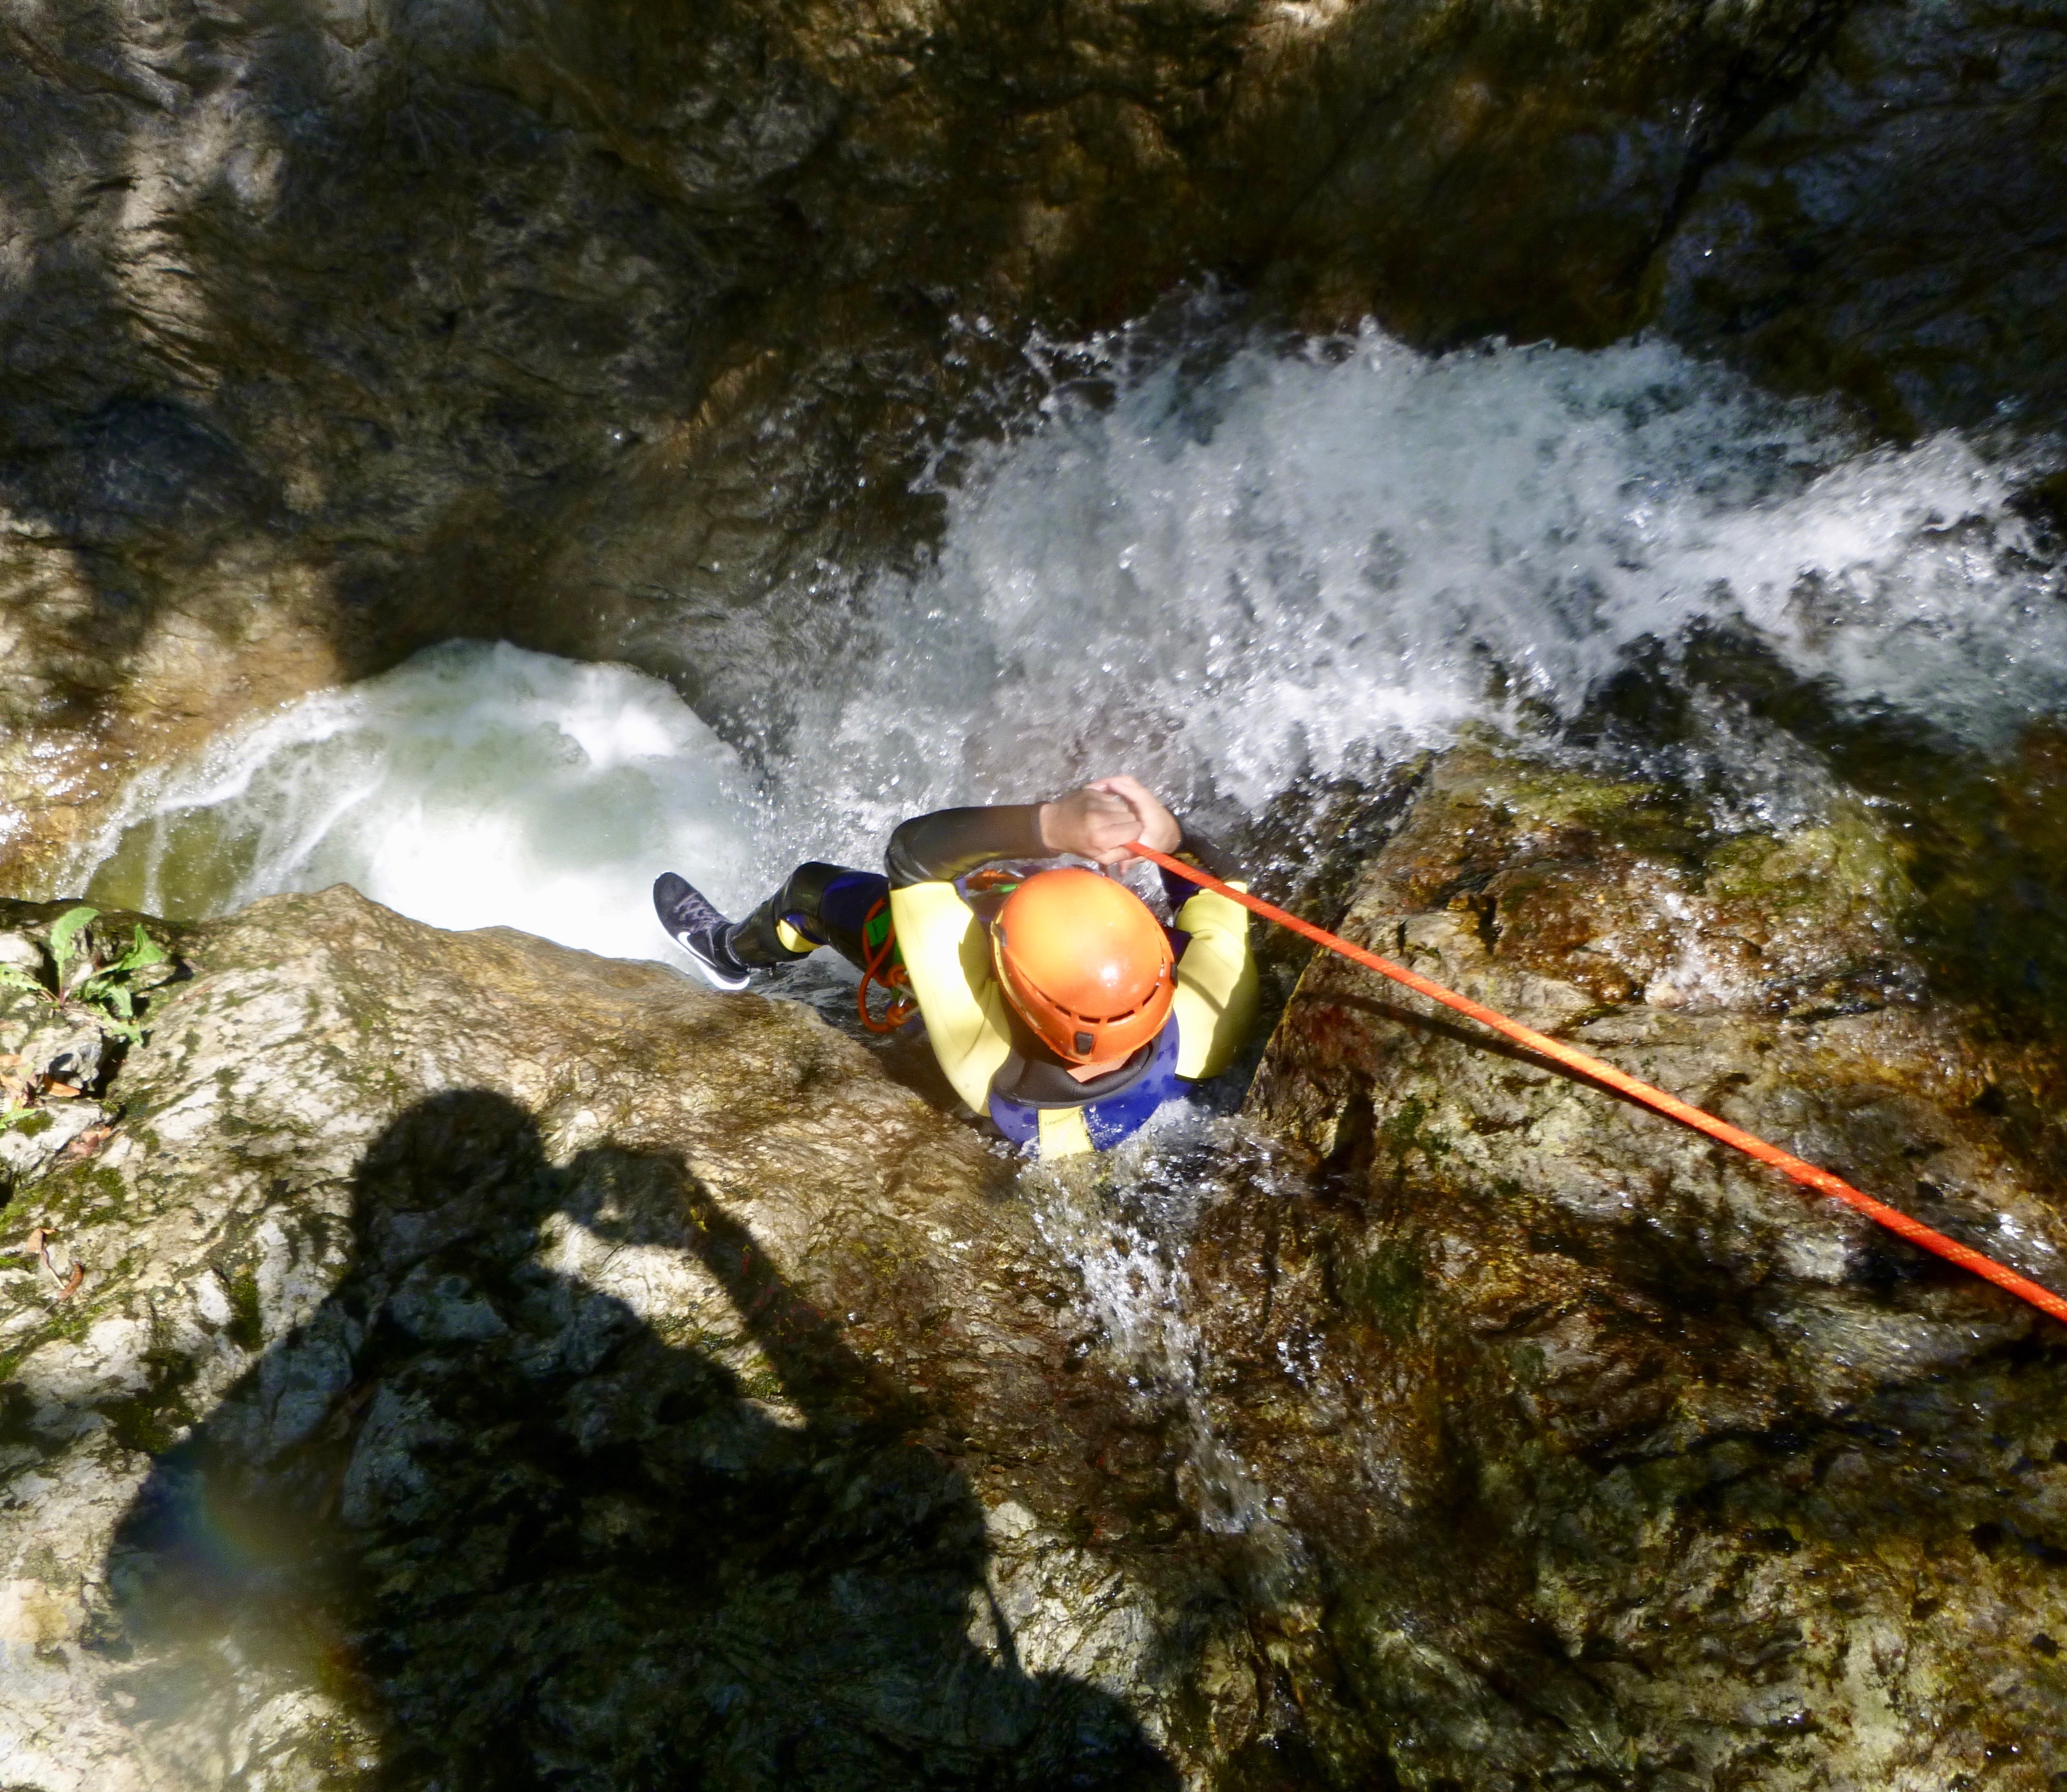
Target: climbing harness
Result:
[[883, 965], [1580, 1063]]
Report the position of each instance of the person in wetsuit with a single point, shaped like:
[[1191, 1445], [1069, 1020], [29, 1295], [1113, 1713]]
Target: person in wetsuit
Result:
[[1055, 1001]]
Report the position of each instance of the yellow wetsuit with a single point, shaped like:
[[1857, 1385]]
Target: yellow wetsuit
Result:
[[946, 949]]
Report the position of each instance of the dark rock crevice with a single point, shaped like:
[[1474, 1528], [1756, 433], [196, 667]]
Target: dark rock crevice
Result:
[[1886, 232]]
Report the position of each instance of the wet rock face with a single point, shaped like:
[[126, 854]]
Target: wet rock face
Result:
[[1889, 231], [1616, 1459], [452, 1359], [496, 1364], [332, 329]]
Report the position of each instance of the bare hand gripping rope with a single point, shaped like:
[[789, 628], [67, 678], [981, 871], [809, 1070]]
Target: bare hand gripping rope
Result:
[[1599, 1071]]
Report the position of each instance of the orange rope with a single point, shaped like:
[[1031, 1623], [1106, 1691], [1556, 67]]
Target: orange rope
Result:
[[1584, 1064], [877, 968]]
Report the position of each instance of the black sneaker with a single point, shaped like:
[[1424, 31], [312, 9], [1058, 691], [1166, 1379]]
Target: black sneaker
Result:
[[700, 930]]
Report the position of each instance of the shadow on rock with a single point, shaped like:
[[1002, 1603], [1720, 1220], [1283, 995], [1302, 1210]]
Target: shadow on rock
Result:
[[477, 1523]]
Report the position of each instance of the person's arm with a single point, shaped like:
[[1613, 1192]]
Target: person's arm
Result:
[[1216, 981], [950, 842], [1101, 820], [1098, 822]]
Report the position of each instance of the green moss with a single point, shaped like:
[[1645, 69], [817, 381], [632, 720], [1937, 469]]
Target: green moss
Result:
[[69, 1319], [10, 1360], [1405, 1130], [1526, 1362], [1834, 867], [161, 1416], [246, 1328], [77, 1197], [763, 1384], [152, 1423], [1387, 1287], [102, 1195], [1646, 817]]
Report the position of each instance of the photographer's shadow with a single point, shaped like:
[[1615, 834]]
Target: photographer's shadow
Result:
[[526, 1541]]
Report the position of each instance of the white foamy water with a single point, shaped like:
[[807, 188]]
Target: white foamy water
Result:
[[476, 786], [1137, 1293], [1220, 580], [1233, 579]]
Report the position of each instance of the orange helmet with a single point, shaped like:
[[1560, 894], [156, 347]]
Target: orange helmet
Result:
[[1085, 964]]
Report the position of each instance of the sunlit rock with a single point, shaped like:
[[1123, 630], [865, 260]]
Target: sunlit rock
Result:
[[1619, 1456], [492, 1360]]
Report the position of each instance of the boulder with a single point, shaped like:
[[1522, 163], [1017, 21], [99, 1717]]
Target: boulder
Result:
[[495, 1364], [1617, 1459], [455, 1359]]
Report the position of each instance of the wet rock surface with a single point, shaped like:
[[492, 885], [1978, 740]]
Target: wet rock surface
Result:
[[1890, 231], [497, 1365], [1617, 1461], [493, 1363]]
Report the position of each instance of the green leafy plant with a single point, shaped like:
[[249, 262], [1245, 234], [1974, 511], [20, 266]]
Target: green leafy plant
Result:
[[75, 977], [71, 950], [109, 988]]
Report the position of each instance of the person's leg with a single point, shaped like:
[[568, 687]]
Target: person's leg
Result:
[[819, 904]]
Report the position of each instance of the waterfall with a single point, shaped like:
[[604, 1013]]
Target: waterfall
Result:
[[1221, 576]]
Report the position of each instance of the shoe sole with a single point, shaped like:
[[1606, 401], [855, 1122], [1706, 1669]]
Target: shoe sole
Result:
[[710, 973]]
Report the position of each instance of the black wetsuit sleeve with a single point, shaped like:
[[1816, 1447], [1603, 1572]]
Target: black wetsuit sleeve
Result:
[[951, 842], [1208, 856]]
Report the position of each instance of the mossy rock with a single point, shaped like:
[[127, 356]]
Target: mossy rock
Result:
[[1636, 1464]]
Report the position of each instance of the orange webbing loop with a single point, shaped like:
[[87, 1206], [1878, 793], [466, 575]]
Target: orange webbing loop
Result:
[[1582, 1063], [876, 968]]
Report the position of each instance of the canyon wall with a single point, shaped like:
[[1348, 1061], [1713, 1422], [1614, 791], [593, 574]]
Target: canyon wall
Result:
[[333, 328]]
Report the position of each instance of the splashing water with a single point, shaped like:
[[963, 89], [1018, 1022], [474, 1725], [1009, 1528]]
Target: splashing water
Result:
[[477, 785], [1220, 580], [1225, 581], [1125, 1221]]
